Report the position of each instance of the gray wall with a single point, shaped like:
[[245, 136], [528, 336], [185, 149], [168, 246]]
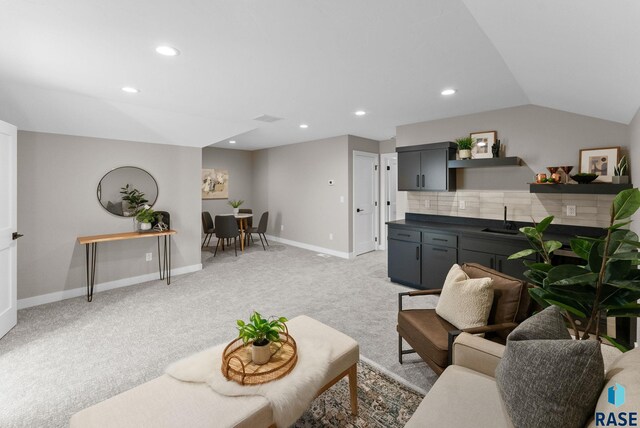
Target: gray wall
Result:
[[239, 165], [388, 146], [540, 136], [634, 156], [291, 182], [57, 179]]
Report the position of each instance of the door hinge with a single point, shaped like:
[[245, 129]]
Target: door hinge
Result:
[[16, 235], [388, 168], [388, 202], [376, 202], [375, 167], [376, 239]]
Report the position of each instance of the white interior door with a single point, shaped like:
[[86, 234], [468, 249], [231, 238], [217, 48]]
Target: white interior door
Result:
[[388, 194], [365, 188], [8, 214]]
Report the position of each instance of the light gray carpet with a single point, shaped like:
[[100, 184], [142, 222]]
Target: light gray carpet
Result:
[[65, 356]]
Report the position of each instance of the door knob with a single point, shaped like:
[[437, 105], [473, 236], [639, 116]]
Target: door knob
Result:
[[16, 235], [358, 210]]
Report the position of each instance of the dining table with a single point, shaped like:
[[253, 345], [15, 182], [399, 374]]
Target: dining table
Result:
[[243, 225]]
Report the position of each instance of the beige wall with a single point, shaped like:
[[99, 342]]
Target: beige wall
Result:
[[239, 163], [388, 146], [540, 136], [57, 179], [291, 182]]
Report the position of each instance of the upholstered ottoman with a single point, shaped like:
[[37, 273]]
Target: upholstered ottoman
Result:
[[168, 402]]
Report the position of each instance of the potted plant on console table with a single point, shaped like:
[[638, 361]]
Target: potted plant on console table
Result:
[[145, 217], [260, 333], [606, 285]]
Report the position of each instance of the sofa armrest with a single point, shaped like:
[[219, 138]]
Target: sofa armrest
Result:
[[477, 354], [417, 293]]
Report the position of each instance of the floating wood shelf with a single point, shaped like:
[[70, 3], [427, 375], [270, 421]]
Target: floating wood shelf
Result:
[[482, 163], [591, 188]]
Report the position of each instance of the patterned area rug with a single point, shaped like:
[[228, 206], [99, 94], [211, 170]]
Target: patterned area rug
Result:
[[383, 402]]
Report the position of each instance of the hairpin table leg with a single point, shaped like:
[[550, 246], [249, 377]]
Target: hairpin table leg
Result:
[[90, 257]]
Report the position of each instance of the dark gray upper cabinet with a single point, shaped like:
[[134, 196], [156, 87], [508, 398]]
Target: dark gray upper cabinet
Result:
[[426, 167]]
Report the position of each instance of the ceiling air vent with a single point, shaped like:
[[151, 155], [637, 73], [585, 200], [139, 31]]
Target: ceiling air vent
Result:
[[267, 118]]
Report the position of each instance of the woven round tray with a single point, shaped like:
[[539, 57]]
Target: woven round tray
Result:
[[237, 364]]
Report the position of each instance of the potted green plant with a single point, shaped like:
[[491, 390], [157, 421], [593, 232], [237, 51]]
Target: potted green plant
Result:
[[464, 147], [236, 205], [145, 217], [607, 284], [260, 332], [134, 200], [620, 171]]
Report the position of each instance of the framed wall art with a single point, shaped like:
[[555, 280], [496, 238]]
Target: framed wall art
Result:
[[215, 184], [482, 144], [599, 161]]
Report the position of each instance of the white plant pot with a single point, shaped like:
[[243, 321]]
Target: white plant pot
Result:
[[464, 154], [261, 354], [145, 226], [620, 179], [236, 211]]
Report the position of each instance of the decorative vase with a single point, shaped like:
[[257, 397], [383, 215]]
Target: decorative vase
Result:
[[145, 226], [261, 354], [464, 154], [620, 179], [236, 211]]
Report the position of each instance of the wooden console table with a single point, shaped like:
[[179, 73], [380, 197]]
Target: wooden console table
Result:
[[91, 246]]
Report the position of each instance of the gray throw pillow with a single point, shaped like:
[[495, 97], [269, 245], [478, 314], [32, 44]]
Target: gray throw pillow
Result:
[[549, 381]]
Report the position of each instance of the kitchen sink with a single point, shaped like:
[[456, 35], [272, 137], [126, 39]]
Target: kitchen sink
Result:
[[501, 231]]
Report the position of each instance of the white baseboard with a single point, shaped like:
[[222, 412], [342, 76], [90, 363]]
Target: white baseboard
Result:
[[310, 247], [82, 291]]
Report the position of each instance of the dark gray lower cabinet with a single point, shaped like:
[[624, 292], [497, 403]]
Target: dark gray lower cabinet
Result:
[[499, 262], [436, 262], [484, 259], [404, 261]]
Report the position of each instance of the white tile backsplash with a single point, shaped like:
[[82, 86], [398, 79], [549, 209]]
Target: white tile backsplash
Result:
[[591, 210]]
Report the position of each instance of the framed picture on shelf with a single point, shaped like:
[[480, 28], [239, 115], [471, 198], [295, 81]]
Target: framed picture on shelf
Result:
[[482, 144], [599, 161]]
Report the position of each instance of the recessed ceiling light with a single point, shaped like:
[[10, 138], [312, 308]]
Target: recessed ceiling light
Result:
[[232, 141], [304, 126], [360, 113], [167, 51], [130, 89], [448, 92]]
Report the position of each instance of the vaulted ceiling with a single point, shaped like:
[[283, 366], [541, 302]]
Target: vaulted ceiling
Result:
[[63, 64]]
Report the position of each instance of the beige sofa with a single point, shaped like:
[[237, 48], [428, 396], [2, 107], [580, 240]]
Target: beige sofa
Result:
[[466, 394]]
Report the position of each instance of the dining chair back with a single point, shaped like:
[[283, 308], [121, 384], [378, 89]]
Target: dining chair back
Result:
[[207, 228], [250, 219], [226, 227], [262, 229]]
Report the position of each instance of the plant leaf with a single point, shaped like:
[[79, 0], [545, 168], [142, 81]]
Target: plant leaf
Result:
[[570, 274], [581, 247], [619, 225], [536, 294], [544, 223], [629, 310], [626, 203], [595, 260], [611, 340], [551, 246], [542, 267], [523, 253], [633, 285], [634, 255]]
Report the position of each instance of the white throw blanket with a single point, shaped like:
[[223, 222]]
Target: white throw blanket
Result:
[[289, 396]]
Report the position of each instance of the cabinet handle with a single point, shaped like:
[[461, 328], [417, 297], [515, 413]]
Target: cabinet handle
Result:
[[444, 250], [404, 234], [422, 180], [418, 180], [418, 253], [440, 239], [500, 265], [491, 263]]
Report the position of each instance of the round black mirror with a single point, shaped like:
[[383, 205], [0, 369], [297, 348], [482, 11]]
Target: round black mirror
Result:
[[123, 190]]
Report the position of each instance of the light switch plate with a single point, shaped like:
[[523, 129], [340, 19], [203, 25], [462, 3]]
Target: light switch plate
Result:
[[149, 257], [571, 210], [462, 205]]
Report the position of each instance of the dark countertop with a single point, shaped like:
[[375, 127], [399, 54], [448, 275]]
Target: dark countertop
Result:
[[474, 226]]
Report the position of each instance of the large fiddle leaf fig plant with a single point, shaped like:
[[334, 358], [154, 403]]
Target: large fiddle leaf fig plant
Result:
[[607, 284]]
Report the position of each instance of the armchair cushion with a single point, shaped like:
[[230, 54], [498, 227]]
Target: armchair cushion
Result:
[[508, 293], [465, 302], [427, 333], [547, 382]]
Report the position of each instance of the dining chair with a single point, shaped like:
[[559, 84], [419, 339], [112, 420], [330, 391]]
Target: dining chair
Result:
[[207, 227], [262, 229], [226, 227]]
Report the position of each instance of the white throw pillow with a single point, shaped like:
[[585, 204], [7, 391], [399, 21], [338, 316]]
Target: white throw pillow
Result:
[[465, 302]]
